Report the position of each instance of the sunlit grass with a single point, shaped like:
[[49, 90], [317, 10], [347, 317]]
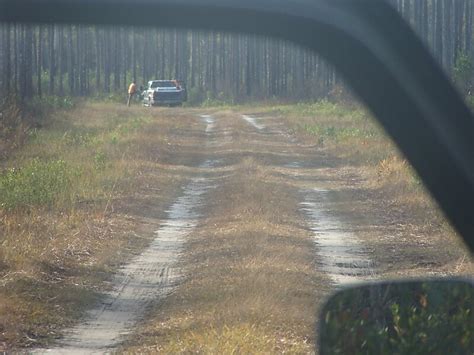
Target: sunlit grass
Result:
[[351, 133], [59, 235]]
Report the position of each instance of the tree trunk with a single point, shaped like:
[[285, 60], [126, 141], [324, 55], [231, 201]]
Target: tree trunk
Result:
[[52, 61]]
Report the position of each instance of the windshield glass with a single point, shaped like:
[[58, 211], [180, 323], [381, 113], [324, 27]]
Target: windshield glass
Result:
[[211, 219], [163, 84]]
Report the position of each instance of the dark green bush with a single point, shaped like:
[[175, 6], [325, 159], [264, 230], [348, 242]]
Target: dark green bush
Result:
[[415, 318]]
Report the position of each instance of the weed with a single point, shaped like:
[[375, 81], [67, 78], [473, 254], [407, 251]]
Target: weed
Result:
[[321, 108], [219, 101], [50, 103], [114, 138], [36, 183], [463, 70], [239, 339], [100, 160], [337, 133]]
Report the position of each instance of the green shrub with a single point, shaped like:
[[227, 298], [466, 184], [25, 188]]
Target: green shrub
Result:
[[100, 160], [37, 183], [322, 108], [219, 100], [52, 103], [463, 71], [418, 318], [337, 133], [115, 97], [196, 97]]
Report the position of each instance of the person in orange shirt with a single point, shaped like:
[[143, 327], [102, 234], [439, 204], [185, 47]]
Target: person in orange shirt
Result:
[[132, 90]]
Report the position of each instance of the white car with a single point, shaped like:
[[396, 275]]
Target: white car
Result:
[[164, 92]]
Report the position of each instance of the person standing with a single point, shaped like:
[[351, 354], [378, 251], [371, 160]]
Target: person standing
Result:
[[132, 90]]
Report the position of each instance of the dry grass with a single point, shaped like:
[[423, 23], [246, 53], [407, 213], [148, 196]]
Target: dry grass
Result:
[[56, 254], [351, 134], [251, 283], [397, 196], [13, 129]]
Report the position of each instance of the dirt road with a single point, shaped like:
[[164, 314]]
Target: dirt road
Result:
[[264, 229]]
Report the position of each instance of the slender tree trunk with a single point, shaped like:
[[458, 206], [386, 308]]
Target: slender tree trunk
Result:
[[98, 60], [449, 53], [439, 47], [7, 73], [134, 56], [52, 61], [61, 59], [39, 63], [469, 27]]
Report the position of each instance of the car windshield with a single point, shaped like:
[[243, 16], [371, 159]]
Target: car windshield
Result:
[[163, 84], [216, 218]]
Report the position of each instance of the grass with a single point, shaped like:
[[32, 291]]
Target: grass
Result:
[[350, 133], [36, 183], [68, 214]]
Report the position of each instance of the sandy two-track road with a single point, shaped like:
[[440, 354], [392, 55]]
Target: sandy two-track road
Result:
[[262, 209]]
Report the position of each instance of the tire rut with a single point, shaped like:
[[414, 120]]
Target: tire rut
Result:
[[148, 277], [340, 253]]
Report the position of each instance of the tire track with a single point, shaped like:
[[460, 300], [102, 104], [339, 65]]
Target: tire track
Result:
[[146, 278], [340, 253]]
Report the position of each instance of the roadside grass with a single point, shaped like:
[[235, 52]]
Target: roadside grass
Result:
[[352, 134], [73, 159], [64, 223]]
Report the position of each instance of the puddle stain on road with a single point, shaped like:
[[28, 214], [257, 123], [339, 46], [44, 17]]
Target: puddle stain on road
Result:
[[210, 123], [253, 122]]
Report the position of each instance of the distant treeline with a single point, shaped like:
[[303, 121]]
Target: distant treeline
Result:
[[83, 61]]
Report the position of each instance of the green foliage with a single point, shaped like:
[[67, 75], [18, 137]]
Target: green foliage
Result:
[[114, 97], [417, 318], [125, 128], [72, 138], [36, 183], [321, 108], [114, 138], [196, 96], [50, 103], [337, 133], [463, 72], [100, 160], [221, 99]]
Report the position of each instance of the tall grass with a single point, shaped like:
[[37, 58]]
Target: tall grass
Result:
[[60, 236], [73, 159], [37, 183], [322, 108]]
